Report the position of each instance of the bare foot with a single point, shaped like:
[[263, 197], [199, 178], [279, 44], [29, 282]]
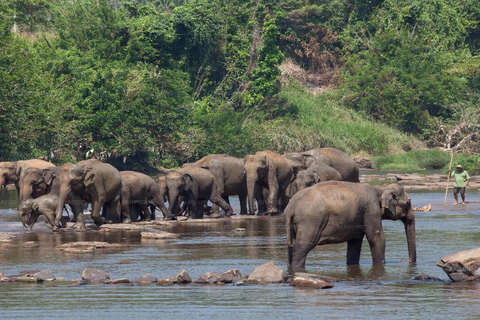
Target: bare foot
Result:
[[463, 202], [456, 203]]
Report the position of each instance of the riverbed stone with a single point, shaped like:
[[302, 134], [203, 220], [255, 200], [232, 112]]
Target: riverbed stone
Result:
[[144, 278], [158, 234], [45, 275], [180, 278], [267, 273], [308, 282], [31, 244], [220, 277], [117, 281], [462, 266], [426, 277], [316, 276], [94, 275]]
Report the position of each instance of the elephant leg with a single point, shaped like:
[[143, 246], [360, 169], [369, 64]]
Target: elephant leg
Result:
[[215, 199], [152, 211], [97, 204], [353, 251], [146, 211], [376, 240], [77, 206], [199, 209], [126, 208], [260, 197], [299, 254], [243, 204]]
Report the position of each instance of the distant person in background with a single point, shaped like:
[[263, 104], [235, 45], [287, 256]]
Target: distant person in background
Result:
[[461, 182]]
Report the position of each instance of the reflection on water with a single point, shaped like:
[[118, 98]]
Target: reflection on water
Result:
[[388, 292]]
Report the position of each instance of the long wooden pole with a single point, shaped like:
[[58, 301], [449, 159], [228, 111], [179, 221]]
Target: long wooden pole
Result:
[[448, 177]]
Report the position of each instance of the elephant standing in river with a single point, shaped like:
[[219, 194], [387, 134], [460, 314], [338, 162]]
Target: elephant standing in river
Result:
[[31, 209], [316, 173], [230, 175], [38, 182], [337, 211], [138, 189], [197, 185], [91, 181], [12, 172], [267, 171]]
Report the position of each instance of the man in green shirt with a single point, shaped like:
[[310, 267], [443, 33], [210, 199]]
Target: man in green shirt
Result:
[[461, 181]]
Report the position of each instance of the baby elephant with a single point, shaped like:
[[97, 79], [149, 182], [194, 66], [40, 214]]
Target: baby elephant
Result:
[[31, 209]]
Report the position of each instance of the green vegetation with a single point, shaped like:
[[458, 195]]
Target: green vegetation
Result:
[[426, 159], [146, 83]]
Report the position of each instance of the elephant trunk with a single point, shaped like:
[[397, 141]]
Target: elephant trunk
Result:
[[2, 182], [62, 197], [251, 181], [409, 223], [173, 202]]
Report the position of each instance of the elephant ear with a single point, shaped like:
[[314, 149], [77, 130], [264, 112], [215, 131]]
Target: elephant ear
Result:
[[34, 206], [188, 177], [89, 176], [316, 177], [18, 169], [388, 202], [48, 176]]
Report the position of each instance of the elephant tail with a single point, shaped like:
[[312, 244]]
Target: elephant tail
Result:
[[291, 232]]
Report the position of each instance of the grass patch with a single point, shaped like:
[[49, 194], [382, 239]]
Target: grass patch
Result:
[[322, 121]]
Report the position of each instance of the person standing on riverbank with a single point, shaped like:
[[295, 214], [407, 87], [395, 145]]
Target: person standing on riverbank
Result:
[[461, 182]]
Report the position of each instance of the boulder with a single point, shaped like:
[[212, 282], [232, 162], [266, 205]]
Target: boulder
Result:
[[219, 277], [26, 279], [180, 278], [94, 276], [308, 282], [462, 266], [144, 278], [46, 275], [267, 273], [316, 276], [158, 234]]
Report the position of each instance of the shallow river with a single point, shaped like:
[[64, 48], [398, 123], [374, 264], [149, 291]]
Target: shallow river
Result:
[[205, 247]]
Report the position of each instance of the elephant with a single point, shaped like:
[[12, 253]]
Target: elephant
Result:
[[197, 185], [314, 174], [336, 159], [31, 209], [230, 175], [266, 170], [140, 189], [12, 172], [92, 181], [37, 182], [338, 211]]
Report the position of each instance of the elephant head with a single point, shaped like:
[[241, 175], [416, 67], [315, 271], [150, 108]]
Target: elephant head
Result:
[[28, 213], [396, 205], [35, 182], [73, 178], [256, 171], [9, 173], [177, 184]]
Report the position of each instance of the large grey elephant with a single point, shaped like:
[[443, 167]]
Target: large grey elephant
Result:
[[94, 182], [12, 172], [230, 175], [37, 182], [197, 185], [337, 211], [139, 189], [336, 159], [316, 173], [267, 171]]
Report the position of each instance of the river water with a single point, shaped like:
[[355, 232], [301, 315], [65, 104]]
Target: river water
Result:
[[204, 247]]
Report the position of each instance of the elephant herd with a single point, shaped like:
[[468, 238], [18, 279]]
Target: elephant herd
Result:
[[316, 211]]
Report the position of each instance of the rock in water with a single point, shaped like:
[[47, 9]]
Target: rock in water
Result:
[[311, 283], [219, 277], [267, 273], [180, 278], [462, 266], [144, 278], [158, 234], [46, 275], [93, 275]]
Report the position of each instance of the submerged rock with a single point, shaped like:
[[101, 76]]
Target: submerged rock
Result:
[[462, 266], [94, 275], [267, 273], [144, 278], [46, 275], [117, 281], [309, 282], [316, 276], [426, 277], [158, 234]]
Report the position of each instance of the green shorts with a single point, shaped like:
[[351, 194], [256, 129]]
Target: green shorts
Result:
[[459, 189]]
